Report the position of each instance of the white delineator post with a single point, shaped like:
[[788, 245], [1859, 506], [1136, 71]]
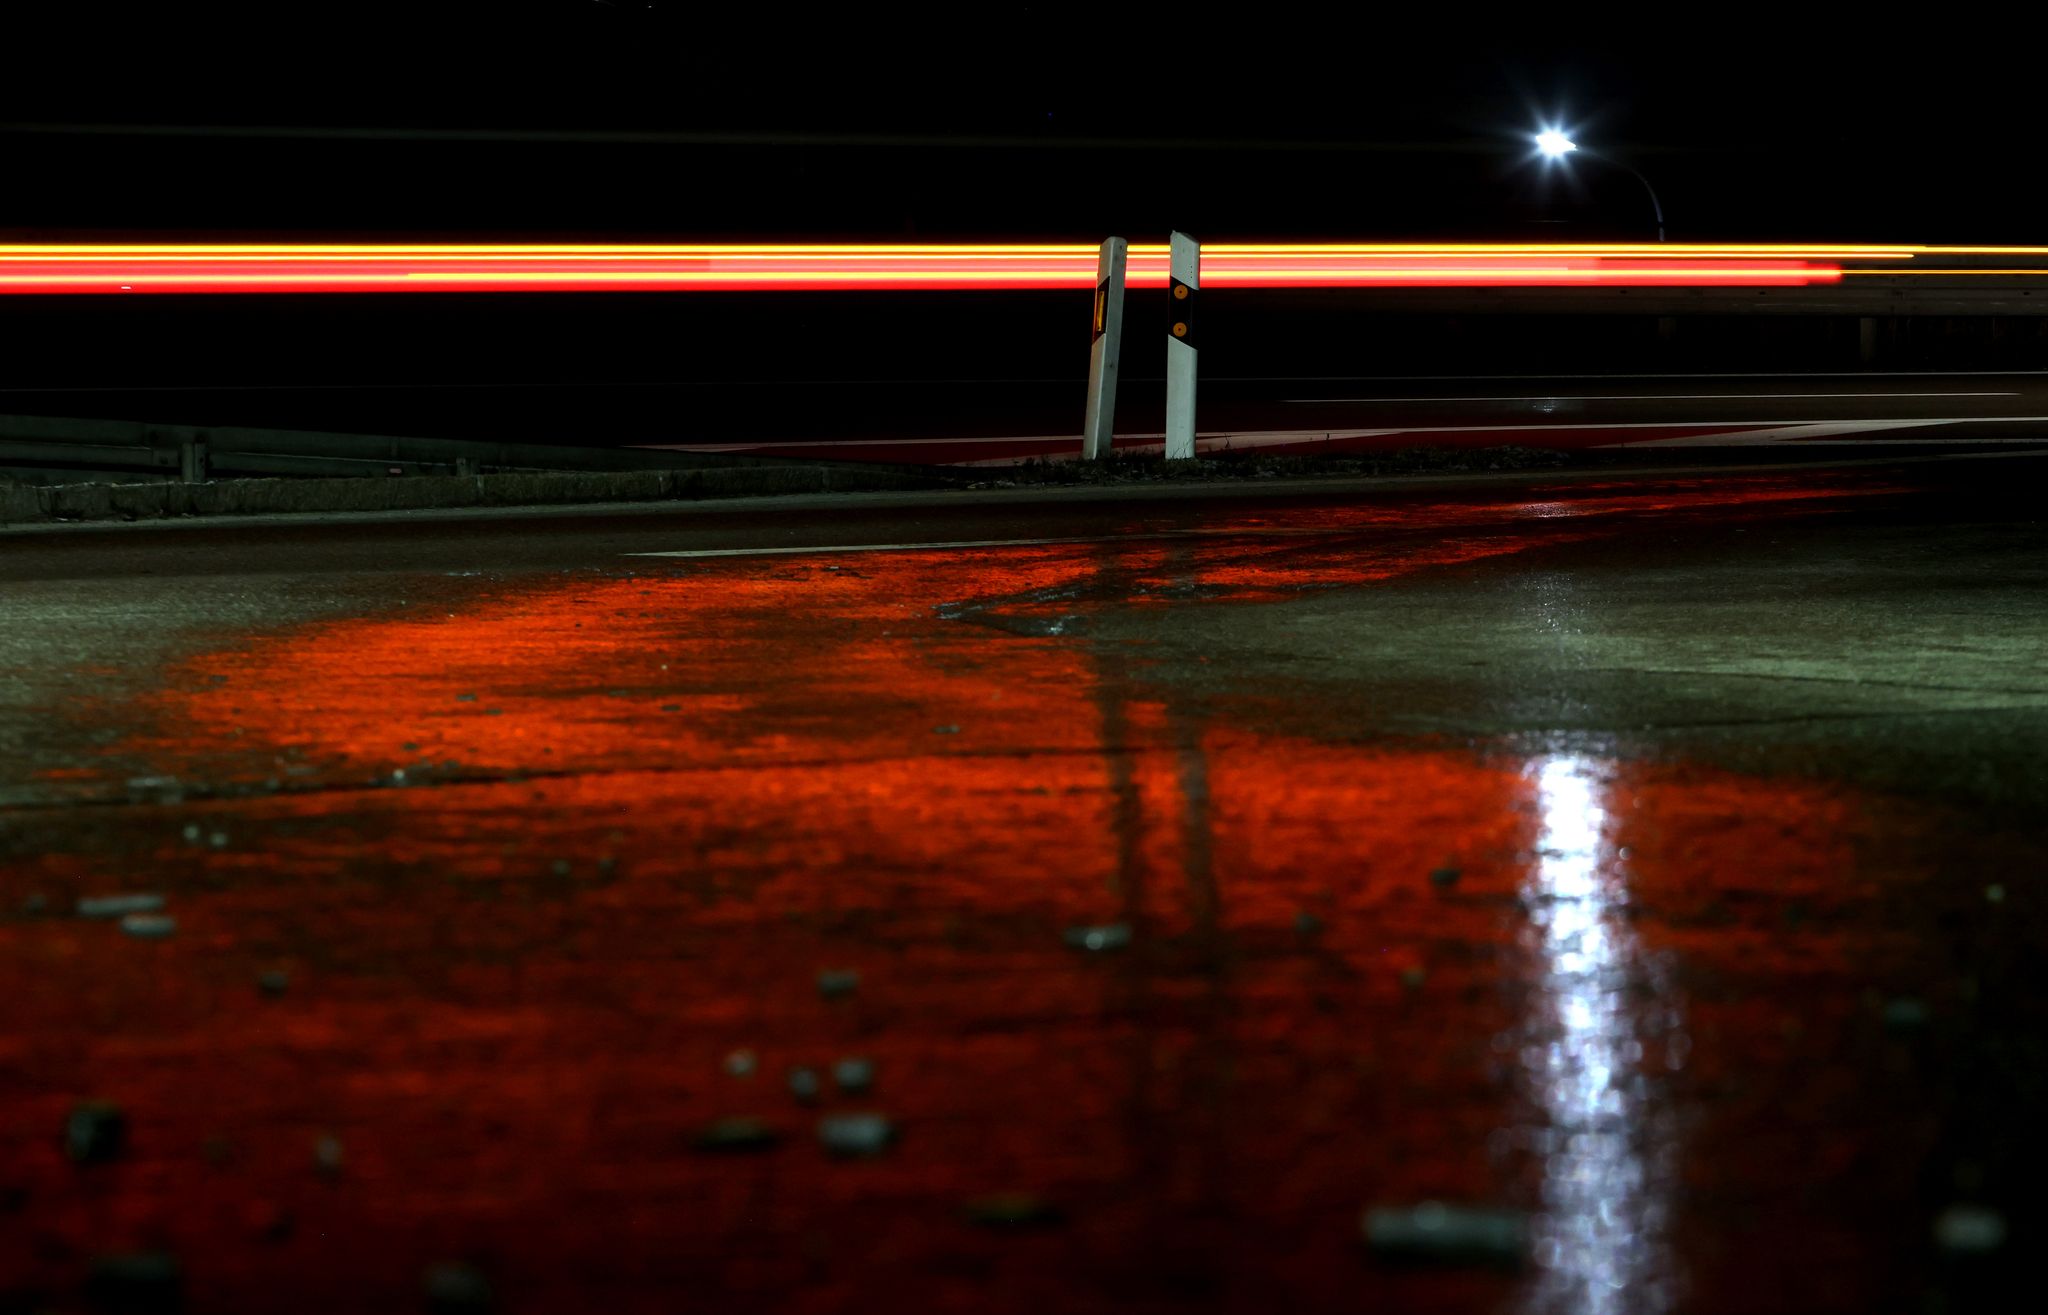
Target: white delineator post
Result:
[[1186, 267], [1096, 431]]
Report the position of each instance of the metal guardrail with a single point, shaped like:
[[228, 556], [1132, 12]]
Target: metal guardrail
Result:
[[60, 447]]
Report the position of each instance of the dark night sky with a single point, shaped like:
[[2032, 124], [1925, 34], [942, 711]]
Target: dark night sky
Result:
[[575, 118]]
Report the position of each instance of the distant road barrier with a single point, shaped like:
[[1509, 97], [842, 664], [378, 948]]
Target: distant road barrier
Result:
[[193, 454]]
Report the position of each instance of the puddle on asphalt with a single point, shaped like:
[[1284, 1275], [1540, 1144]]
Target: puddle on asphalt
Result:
[[535, 870]]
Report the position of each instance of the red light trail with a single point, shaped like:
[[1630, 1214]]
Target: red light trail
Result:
[[264, 268]]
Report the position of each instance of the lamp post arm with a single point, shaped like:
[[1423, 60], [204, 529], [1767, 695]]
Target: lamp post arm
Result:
[[1656, 206]]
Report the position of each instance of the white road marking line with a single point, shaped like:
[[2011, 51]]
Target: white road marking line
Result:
[[1579, 378], [1269, 436], [1793, 433], [1252, 533], [1146, 536], [1075, 439], [1644, 397], [1795, 441]]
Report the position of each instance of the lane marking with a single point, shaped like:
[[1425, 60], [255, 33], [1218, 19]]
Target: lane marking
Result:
[[1075, 439], [1836, 442], [1705, 374], [1393, 522], [1267, 437], [1644, 397], [1256, 533]]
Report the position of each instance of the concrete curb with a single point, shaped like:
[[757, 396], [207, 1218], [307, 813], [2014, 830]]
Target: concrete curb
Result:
[[28, 504]]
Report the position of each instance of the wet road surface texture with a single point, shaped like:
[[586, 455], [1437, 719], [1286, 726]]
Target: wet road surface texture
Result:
[[1541, 894]]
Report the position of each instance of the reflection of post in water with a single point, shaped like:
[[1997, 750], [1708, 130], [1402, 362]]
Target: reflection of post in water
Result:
[[1193, 772], [1126, 811], [1158, 774], [1158, 778]]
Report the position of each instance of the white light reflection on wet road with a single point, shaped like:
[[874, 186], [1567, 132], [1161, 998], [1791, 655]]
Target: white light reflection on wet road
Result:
[[1605, 1161]]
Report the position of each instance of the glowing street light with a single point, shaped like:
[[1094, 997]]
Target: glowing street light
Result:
[[1553, 144]]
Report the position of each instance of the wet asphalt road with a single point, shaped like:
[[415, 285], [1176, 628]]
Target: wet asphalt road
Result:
[[1649, 867]]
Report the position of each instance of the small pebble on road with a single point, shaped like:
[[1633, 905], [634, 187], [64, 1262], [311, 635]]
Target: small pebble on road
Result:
[[854, 1074], [855, 1134], [149, 926], [1434, 1233], [1013, 1210], [735, 1134], [1906, 1014], [1969, 1230], [834, 983], [95, 1132], [117, 906], [1108, 936], [453, 1288], [137, 1282]]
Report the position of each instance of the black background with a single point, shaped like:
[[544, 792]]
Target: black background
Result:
[[576, 118]]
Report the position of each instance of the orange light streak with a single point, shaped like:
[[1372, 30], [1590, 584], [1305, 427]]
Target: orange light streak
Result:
[[286, 268]]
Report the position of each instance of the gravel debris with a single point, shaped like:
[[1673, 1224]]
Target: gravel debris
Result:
[[95, 1132], [856, 1134], [728, 1135], [141, 1281], [149, 926], [1013, 1210], [837, 983], [1107, 936], [453, 1287], [1969, 1230], [156, 789], [1906, 1014], [117, 906], [1438, 1234], [854, 1075]]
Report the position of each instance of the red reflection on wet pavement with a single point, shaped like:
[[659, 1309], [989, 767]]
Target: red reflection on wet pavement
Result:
[[640, 813]]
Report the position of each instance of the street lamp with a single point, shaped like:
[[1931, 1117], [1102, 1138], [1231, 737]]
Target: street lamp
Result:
[[1553, 144]]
